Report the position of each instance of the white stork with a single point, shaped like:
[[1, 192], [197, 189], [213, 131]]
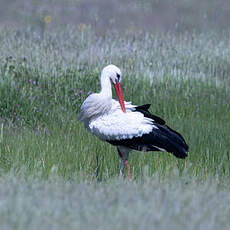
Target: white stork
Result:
[[127, 126]]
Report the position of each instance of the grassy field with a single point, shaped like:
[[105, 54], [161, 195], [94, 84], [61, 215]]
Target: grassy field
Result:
[[147, 204], [47, 157]]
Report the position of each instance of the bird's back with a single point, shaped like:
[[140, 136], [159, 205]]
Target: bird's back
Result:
[[162, 138]]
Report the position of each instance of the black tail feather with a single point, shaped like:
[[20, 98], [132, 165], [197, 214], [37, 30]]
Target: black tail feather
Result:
[[176, 142]]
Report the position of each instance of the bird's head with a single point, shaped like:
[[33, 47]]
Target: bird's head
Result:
[[114, 74]]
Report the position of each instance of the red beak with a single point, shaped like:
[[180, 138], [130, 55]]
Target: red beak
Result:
[[120, 95]]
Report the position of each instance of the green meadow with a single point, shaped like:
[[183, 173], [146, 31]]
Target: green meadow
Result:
[[41, 93], [54, 174]]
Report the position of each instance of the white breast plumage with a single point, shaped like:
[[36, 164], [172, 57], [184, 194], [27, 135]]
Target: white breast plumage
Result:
[[118, 125]]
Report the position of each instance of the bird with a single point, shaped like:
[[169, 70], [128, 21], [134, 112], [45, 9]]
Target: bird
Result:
[[126, 126]]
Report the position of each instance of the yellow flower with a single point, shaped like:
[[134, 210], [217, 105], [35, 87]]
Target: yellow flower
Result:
[[47, 19], [81, 26]]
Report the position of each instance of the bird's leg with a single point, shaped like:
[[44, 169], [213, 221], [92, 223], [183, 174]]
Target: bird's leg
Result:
[[124, 161], [121, 167], [121, 162], [127, 169]]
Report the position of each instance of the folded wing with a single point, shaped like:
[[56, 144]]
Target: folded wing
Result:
[[161, 137]]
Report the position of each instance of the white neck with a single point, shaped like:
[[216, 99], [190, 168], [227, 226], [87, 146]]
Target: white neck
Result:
[[106, 87]]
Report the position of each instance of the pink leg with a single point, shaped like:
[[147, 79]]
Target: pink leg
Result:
[[127, 169], [123, 161]]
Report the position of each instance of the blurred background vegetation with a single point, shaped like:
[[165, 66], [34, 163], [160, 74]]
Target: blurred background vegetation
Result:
[[119, 15]]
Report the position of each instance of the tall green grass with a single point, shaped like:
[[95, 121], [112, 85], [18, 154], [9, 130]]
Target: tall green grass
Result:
[[44, 80], [42, 135], [54, 174]]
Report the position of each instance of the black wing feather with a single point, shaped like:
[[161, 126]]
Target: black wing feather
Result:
[[144, 110], [163, 138]]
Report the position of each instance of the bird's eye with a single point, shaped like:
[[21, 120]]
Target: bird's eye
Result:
[[118, 77]]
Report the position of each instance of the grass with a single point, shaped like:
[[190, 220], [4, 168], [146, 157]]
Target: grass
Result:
[[60, 175], [58, 140], [55, 204]]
